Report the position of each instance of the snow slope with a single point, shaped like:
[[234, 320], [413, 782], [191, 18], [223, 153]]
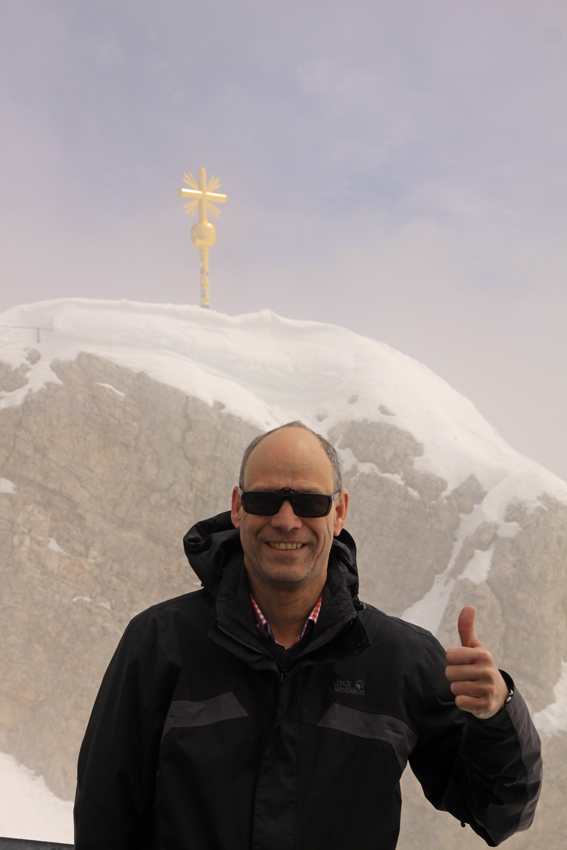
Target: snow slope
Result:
[[269, 370], [29, 809]]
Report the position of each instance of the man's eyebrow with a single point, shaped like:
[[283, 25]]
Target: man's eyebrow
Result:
[[316, 492]]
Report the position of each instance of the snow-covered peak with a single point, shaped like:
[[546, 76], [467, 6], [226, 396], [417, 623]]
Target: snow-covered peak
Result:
[[269, 370]]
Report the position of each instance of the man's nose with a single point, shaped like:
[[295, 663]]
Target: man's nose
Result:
[[285, 518]]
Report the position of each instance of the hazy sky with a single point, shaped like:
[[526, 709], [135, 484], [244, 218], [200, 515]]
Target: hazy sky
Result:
[[394, 167]]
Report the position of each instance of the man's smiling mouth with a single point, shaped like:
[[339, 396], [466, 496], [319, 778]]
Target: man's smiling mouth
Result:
[[285, 545]]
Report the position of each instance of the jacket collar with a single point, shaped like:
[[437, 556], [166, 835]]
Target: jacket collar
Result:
[[215, 554]]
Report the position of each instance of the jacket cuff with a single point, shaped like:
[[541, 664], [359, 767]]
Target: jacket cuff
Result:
[[502, 712]]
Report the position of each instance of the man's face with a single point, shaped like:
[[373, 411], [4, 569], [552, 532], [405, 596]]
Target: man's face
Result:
[[294, 458]]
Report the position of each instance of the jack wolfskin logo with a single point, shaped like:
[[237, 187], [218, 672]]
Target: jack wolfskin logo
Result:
[[345, 686]]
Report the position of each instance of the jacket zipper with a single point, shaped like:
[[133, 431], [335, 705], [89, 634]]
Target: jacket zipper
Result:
[[241, 642]]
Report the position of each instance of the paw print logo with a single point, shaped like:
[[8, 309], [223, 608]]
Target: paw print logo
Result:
[[359, 684]]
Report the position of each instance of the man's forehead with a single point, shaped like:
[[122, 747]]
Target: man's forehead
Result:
[[293, 451]]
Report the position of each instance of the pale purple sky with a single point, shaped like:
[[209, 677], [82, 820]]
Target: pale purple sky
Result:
[[394, 167]]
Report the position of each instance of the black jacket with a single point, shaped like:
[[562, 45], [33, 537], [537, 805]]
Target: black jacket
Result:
[[197, 740]]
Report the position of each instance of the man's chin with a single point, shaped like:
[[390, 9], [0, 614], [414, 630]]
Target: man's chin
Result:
[[287, 573]]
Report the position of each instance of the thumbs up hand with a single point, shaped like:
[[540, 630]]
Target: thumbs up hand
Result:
[[475, 680]]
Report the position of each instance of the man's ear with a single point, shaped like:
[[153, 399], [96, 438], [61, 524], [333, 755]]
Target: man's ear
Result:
[[341, 510], [235, 508]]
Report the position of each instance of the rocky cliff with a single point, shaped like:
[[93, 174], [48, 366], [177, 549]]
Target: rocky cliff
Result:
[[102, 473]]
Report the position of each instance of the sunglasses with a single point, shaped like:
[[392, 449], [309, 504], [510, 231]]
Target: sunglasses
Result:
[[269, 502]]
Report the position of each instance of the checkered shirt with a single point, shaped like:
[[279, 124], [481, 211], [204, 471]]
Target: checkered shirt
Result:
[[265, 628]]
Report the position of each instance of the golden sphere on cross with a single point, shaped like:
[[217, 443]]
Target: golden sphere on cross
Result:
[[203, 234]]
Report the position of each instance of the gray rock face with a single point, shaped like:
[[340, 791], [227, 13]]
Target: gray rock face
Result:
[[111, 468], [403, 529]]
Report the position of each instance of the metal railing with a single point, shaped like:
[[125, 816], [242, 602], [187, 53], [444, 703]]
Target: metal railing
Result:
[[30, 328], [24, 844]]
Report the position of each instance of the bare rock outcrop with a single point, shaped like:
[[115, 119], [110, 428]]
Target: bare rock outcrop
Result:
[[403, 529], [110, 470]]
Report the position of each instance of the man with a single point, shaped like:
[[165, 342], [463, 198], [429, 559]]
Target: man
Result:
[[274, 710]]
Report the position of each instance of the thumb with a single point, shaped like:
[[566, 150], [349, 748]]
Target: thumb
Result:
[[466, 627]]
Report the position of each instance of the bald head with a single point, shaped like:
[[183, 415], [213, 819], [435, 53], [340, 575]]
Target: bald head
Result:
[[296, 428], [289, 457]]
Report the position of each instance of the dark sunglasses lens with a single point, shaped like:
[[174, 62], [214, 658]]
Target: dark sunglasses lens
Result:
[[311, 505], [267, 503], [261, 503]]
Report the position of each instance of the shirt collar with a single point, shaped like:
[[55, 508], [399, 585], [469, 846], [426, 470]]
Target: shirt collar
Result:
[[265, 629]]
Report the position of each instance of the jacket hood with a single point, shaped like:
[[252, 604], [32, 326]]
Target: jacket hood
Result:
[[212, 543]]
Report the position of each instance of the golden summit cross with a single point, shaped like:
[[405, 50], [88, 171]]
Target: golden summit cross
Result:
[[203, 233]]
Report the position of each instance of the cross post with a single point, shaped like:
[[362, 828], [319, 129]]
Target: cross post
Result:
[[203, 233]]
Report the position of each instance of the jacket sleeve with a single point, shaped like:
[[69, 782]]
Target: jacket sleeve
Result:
[[486, 773], [119, 755]]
